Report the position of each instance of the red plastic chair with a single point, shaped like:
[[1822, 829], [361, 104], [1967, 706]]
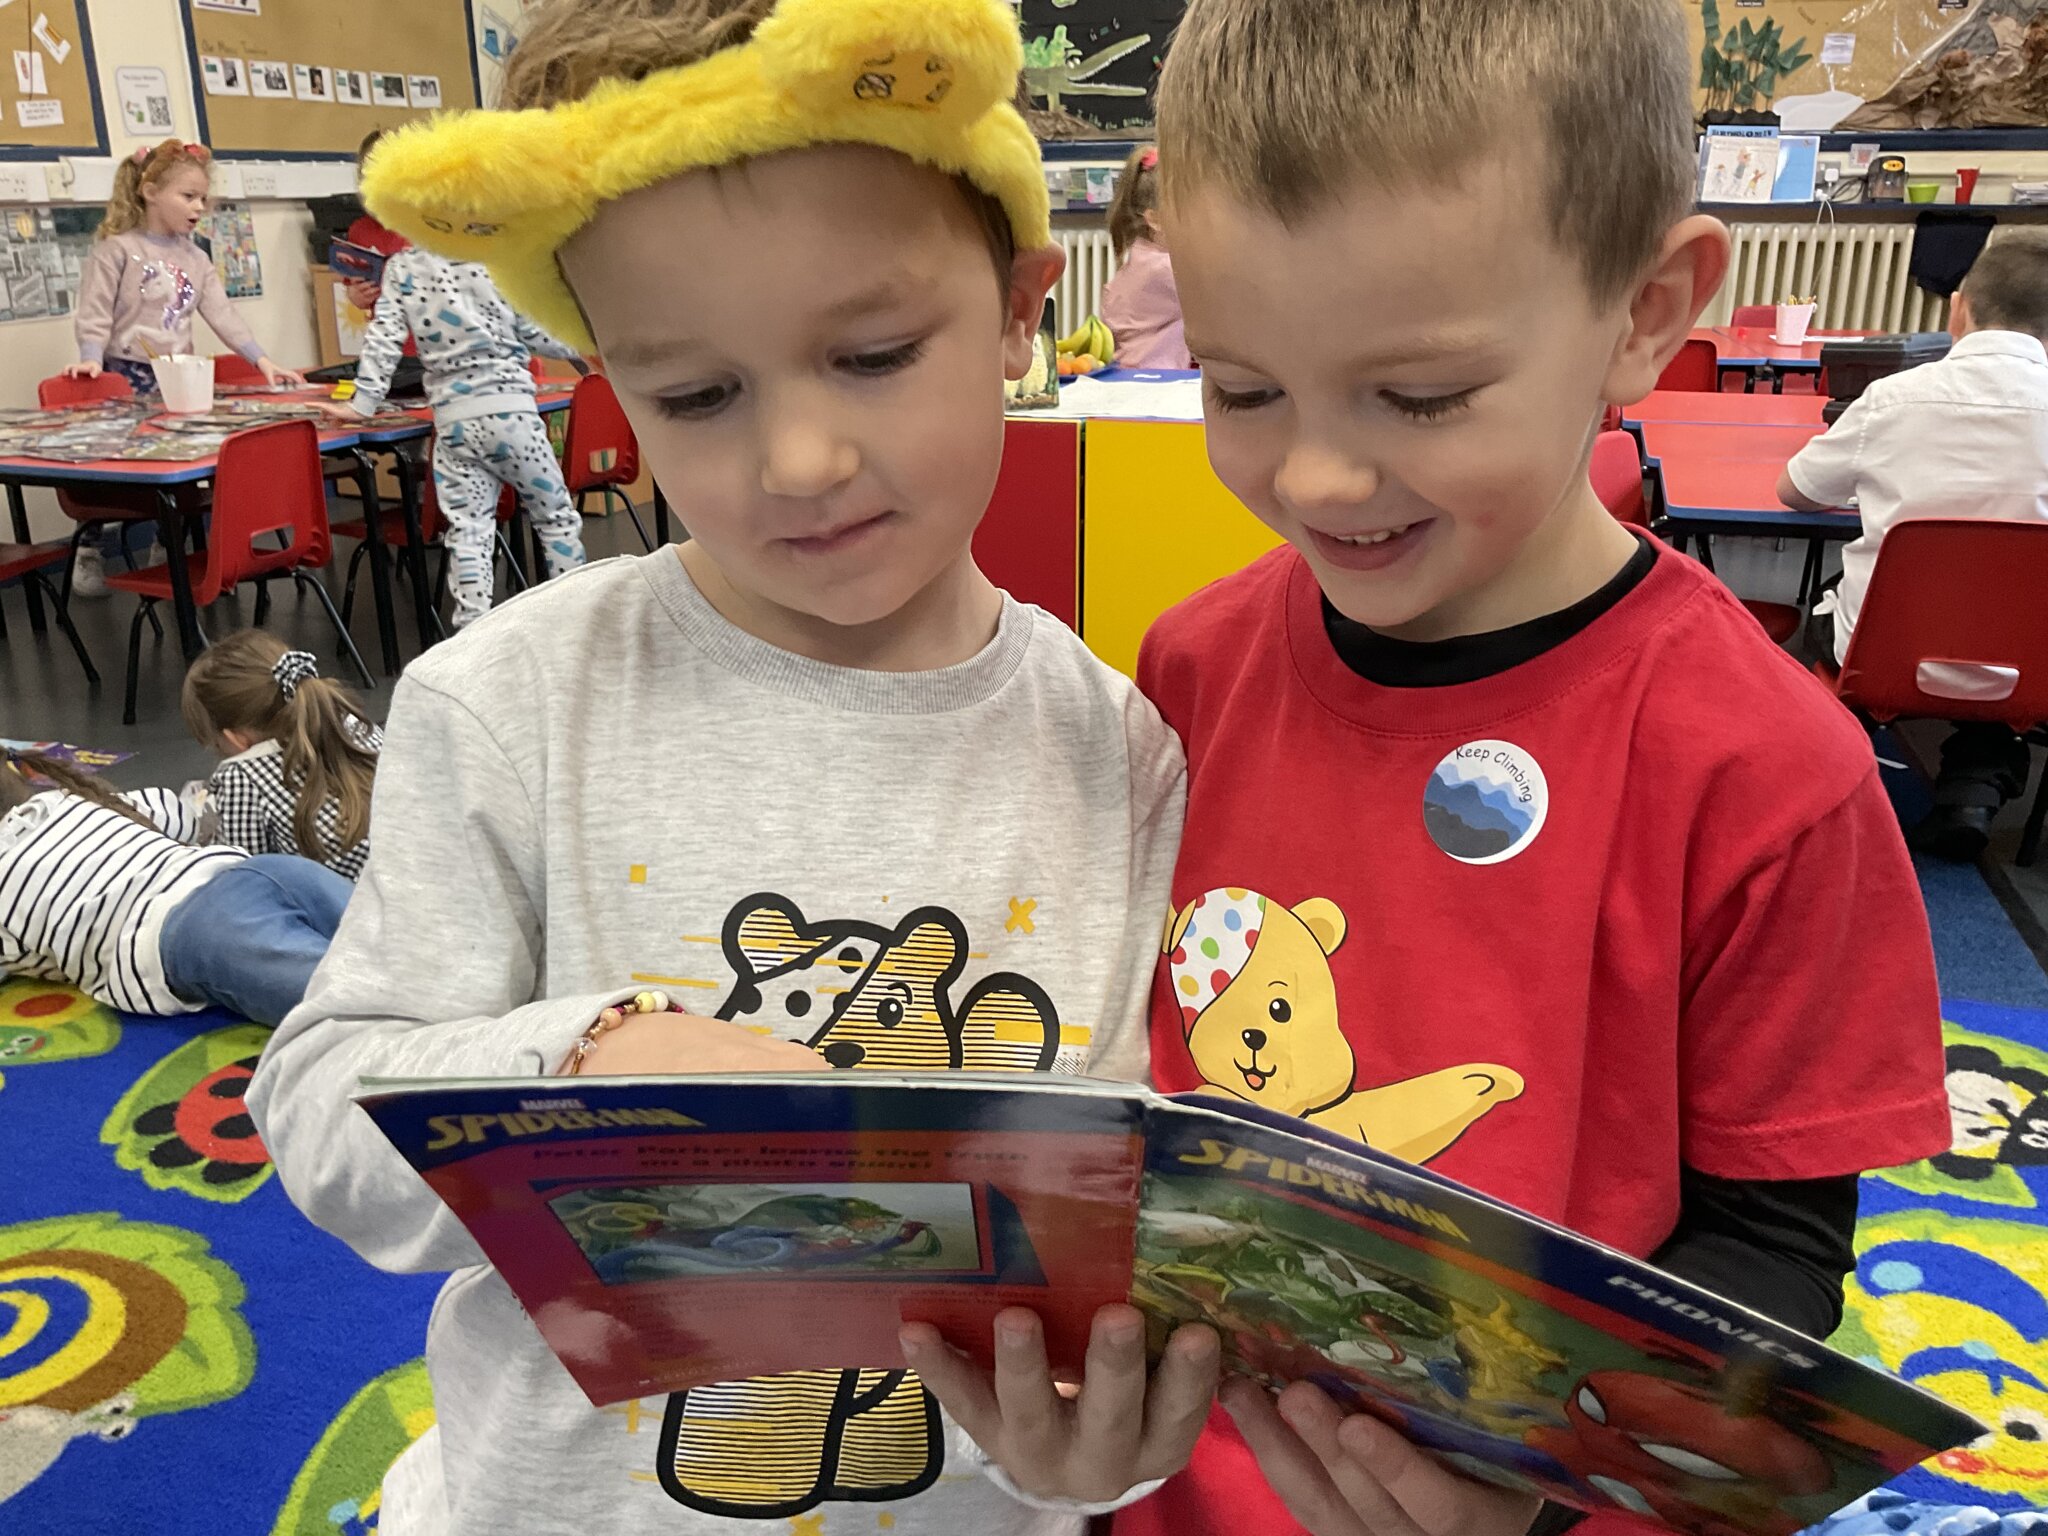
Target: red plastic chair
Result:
[[602, 454], [1751, 317], [1617, 475], [105, 504], [1957, 590], [1697, 367], [29, 564], [233, 368], [268, 483], [433, 526]]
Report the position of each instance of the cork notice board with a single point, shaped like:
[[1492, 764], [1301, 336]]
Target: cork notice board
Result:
[[311, 78], [49, 88]]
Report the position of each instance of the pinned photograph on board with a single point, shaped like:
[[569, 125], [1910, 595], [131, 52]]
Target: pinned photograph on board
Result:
[[387, 90], [352, 87], [310, 83], [224, 77], [269, 77], [425, 90]]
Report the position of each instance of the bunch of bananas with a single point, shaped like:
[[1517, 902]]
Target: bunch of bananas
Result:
[[1089, 349]]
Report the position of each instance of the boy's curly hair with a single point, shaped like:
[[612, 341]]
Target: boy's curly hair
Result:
[[571, 45]]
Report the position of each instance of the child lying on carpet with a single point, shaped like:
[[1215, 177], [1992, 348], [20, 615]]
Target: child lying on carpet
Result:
[[103, 891], [298, 752]]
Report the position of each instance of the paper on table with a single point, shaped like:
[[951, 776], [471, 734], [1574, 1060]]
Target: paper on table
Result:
[[1136, 399]]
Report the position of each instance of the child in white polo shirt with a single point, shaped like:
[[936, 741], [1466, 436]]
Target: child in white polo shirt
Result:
[[1963, 437]]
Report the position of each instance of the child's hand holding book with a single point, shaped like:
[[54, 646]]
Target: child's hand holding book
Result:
[[1093, 1446], [648, 1036], [1351, 1475]]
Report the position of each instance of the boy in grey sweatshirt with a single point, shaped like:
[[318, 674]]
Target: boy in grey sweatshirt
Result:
[[811, 774]]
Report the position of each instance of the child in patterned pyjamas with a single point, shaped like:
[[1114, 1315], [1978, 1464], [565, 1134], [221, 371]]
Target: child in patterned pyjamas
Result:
[[474, 351]]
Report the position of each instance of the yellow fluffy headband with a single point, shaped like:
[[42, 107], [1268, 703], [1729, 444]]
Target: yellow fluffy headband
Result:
[[931, 79]]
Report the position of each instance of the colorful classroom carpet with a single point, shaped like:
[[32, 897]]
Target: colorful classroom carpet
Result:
[[182, 1355]]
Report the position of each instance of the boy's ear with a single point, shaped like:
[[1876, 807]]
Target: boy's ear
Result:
[[1032, 274], [1686, 273]]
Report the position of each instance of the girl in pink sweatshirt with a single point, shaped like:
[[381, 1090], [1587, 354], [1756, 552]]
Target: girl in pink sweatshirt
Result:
[[146, 279], [1140, 305]]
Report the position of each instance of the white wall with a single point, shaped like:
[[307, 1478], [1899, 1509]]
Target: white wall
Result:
[[149, 32]]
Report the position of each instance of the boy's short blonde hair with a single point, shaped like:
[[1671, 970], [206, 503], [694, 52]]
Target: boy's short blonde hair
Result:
[[1281, 102], [2008, 287], [569, 46]]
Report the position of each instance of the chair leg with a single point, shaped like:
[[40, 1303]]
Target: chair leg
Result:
[[348, 591], [134, 660], [262, 602], [63, 613], [515, 578], [307, 584], [634, 513], [2030, 838]]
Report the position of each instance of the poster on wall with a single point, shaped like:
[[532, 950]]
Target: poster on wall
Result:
[[229, 231], [42, 253], [1823, 64], [498, 24], [1090, 65], [145, 100], [224, 77], [387, 90], [352, 87], [270, 77], [310, 83]]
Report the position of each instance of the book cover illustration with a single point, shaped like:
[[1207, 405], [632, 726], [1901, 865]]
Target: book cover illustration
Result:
[[669, 1233], [1518, 1352], [354, 263]]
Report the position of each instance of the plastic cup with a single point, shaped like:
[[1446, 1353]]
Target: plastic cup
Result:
[[1793, 319], [1922, 191], [186, 384], [1966, 183]]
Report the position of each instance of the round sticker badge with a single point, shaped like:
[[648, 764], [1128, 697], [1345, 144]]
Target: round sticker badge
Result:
[[1485, 802]]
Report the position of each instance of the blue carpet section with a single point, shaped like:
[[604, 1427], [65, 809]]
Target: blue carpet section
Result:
[[175, 1339], [1976, 949], [182, 1355]]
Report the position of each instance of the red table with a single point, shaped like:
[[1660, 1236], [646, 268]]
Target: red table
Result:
[[1721, 478], [168, 477], [1740, 410]]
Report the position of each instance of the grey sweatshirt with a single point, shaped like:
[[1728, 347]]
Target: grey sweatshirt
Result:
[[604, 786], [138, 287], [473, 349]]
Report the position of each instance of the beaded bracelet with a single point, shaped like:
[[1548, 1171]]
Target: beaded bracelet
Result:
[[611, 1019]]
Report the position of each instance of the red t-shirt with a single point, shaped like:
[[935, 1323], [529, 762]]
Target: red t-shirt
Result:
[[1638, 901]]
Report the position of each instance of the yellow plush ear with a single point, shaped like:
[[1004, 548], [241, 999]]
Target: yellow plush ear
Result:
[[1176, 925], [948, 59], [1324, 920]]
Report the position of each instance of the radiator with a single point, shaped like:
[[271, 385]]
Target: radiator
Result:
[[1857, 273], [1091, 262]]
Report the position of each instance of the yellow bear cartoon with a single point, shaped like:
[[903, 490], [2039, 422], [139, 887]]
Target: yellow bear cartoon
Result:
[[1259, 1013]]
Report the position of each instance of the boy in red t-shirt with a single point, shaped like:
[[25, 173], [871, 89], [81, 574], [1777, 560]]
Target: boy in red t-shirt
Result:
[[1513, 845]]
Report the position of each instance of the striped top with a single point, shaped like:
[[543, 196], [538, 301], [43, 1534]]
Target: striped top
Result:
[[256, 807], [84, 892]]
